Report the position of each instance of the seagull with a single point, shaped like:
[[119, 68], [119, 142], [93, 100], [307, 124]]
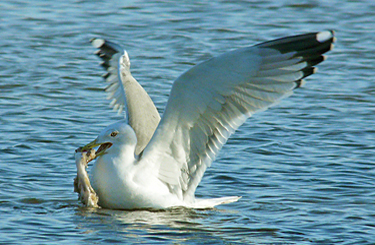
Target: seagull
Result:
[[148, 162]]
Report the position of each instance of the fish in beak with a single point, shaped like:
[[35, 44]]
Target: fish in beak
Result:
[[101, 150]]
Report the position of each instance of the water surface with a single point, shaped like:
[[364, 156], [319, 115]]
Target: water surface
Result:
[[305, 169]]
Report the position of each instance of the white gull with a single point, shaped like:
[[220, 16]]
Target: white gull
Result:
[[145, 162]]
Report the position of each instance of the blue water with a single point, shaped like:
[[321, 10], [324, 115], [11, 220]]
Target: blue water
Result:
[[305, 169]]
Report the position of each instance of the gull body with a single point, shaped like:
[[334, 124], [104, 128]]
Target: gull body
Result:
[[146, 161], [120, 181]]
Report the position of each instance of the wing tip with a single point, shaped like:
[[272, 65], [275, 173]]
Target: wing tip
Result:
[[324, 36], [124, 59], [97, 42], [300, 83], [106, 75]]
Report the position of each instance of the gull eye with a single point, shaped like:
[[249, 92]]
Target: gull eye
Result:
[[114, 133]]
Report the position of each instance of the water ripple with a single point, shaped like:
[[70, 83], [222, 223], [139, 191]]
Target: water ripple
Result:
[[305, 169]]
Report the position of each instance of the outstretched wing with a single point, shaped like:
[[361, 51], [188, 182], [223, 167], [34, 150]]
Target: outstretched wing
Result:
[[211, 100], [126, 93]]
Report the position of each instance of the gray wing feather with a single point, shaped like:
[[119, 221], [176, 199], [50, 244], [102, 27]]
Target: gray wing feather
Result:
[[126, 93]]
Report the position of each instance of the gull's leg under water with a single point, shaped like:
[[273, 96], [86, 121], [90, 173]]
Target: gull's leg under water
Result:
[[82, 184]]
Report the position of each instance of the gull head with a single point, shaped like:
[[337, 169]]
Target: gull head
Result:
[[113, 139]]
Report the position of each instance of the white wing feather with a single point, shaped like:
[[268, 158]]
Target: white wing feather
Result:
[[210, 101]]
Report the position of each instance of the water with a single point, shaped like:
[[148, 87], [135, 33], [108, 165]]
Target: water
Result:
[[305, 169]]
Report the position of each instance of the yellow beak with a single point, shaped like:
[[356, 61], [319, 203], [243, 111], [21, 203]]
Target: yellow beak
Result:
[[90, 145], [102, 149]]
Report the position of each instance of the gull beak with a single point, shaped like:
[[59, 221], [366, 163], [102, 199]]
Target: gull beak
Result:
[[102, 147], [90, 145]]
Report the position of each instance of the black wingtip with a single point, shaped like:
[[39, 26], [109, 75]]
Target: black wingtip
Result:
[[299, 83], [303, 42], [106, 48], [309, 47]]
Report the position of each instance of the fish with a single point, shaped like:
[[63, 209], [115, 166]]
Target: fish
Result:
[[82, 185]]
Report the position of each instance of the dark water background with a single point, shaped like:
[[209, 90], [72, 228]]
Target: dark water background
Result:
[[305, 168]]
